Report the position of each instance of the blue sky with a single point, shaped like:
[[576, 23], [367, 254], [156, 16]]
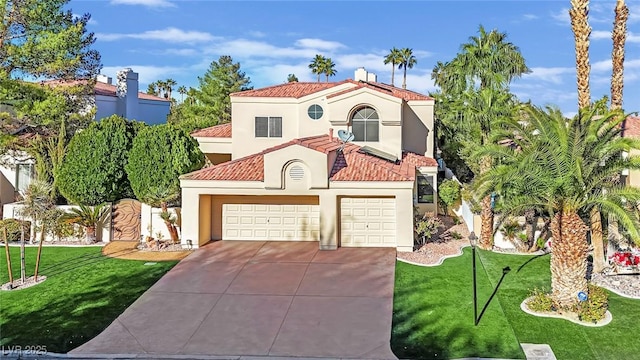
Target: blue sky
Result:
[[162, 39]]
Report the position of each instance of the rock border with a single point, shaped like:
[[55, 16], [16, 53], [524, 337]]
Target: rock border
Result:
[[30, 283], [607, 316], [442, 259]]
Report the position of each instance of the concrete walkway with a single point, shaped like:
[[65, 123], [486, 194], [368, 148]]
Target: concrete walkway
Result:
[[282, 299]]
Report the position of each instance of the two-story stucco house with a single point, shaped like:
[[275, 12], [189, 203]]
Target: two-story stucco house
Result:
[[282, 173]]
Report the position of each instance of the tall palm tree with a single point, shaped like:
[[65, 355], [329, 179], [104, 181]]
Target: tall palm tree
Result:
[[317, 65], [152, 89], [182, 90], [169, 84], [579, 14], [492, 62], [328, 68], [619, 37], [561, 161], [393, 57], [162, 86], [407, 61]]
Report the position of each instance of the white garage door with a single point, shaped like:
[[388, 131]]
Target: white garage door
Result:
[[368, 222], [270, 222]]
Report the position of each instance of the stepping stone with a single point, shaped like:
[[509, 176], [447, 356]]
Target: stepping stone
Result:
[[538, 352]]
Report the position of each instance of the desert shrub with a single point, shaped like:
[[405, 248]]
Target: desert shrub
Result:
[[428, 226], [456, 220], [13, 229], [540, 301], [456, 235], [596, 305]]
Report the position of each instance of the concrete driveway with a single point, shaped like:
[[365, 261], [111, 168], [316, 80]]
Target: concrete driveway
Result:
[[241, 298]]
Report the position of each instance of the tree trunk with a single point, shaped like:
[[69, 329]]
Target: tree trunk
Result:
[[486, 221], [619, 37], [596, 241], [568, 258], [530, 221], [393, 72], [486, 215], [91, 234], [404, 80], [35, 273], [7, 254], [173, 232], [579, 14]]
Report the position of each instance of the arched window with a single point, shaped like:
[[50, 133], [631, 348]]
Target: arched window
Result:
[[365, 124]]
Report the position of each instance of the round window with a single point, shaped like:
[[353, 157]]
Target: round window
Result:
[[315, 111]]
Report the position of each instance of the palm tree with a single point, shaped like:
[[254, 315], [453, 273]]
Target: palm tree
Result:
[[407, 60], [88, 217], [492, 62], [328, 68], [162, 88], [619, 36], [393, 57], [317, 65], [152, 89], [36, 201], [561, 162], [162, 197], [292, 78], [182, 90], [168, 85], [579, 14]]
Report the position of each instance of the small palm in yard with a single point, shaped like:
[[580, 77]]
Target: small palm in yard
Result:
[[90, 217], [565, 167]]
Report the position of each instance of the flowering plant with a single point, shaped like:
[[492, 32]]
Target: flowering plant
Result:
[[626, 258]]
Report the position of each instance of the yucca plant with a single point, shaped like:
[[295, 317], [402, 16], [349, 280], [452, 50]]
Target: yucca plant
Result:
[[89, 217], [564, 167]]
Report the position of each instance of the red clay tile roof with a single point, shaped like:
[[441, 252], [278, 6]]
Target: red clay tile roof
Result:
[[103, 89], [219, 131], [404, 94], [350, 165], [631, 126], [300, 89]]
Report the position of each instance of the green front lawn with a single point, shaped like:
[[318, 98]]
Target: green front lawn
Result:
[[433, 314], [84, 292]]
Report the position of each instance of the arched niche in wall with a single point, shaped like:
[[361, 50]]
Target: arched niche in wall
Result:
[[296, 175]]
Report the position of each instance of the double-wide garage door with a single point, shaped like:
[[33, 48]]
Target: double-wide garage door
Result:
[[368, 222], [270, 222]]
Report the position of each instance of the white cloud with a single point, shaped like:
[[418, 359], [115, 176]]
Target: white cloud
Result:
[[562, 16], [254, 49], [371, 62], [603, 34], [148, 3], [170, 34], [319, 44], [549, 74], [529, 16], [258, 34], [181, 52]]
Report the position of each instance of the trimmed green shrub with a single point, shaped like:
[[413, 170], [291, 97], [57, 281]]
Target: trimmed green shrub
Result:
[[596, 305], [160, 154], [93, 169], [449, 193]]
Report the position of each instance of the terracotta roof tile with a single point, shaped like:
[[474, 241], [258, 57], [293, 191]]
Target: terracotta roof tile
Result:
[[300, 89], [350, 165], [103, 89], [221, 131], [631, 126]]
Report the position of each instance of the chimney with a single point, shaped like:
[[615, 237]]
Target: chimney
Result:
[[331, 134], [103, 79], [360, 75], [371, 77], [127, 92]]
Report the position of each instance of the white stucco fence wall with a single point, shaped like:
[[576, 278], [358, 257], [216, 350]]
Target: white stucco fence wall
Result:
[[151, 224]]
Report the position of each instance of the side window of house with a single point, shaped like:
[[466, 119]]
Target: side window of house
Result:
[[268, 126], [24, 174], [365, 125], [425, 189]]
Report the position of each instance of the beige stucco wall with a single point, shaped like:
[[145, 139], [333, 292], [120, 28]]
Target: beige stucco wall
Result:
[[633, 179], [276, 165], [213, 145], [216, 159], [337, 112], [199, 224]]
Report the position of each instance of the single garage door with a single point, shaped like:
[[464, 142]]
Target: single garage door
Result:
[[368, 222], [270, 222]]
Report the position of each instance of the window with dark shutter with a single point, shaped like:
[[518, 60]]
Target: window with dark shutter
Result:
[[262, 126]]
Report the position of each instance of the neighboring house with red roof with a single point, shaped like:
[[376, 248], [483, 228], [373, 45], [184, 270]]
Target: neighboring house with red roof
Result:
[[281, 171], [123, 98]]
